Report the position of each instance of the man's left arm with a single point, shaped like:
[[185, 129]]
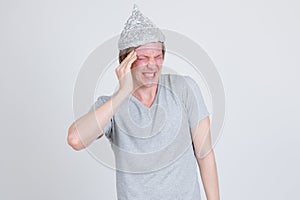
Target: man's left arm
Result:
[[205, 158]]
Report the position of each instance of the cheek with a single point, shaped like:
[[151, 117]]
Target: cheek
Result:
[[139, 66], [136, 68], [159, 62], [136, 65]]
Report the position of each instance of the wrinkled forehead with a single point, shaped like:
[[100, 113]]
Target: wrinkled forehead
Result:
[[152, 48]]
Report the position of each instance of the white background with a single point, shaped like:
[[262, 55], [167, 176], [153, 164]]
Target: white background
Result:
[[254, 45]]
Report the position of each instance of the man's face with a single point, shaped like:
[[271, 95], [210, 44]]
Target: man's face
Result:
[[147, 67]]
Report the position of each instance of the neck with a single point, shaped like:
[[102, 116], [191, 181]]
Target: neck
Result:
[[146, 93]]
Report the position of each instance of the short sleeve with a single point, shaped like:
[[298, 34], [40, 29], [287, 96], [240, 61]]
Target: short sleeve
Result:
[[108, 127], [195, 106]]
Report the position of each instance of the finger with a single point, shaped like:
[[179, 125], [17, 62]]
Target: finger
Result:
[[126, 63], [129, 62], [129, 56]]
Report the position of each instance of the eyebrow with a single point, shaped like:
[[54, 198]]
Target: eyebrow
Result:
[[142, 55]]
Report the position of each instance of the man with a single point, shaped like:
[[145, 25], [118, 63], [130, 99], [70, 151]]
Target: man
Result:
[[157, 124]]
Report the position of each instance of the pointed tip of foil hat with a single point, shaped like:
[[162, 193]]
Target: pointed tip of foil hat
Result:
[[139, 30], [135, 7]]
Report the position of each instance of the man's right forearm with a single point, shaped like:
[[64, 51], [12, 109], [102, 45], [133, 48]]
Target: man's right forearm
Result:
[[90, 126]]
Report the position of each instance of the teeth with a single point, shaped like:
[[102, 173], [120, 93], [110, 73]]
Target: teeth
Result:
[[149, 74]]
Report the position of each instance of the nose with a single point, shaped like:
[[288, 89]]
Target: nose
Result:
[[151, 62]]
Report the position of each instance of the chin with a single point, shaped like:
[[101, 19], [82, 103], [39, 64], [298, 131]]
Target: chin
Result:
[[148, 85]]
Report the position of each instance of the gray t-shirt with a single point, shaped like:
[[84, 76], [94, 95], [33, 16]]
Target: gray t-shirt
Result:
[[153, 146]]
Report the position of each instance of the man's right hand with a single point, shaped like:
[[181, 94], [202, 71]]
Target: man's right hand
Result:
[[90, 126], [123, 72]]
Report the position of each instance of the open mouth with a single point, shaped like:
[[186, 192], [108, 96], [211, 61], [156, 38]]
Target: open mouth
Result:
[[149, 75]]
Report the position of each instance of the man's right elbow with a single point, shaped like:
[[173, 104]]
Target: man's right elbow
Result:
[[74, 140]]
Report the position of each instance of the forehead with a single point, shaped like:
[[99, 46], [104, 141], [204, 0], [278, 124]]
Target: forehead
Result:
[[150, 48]]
